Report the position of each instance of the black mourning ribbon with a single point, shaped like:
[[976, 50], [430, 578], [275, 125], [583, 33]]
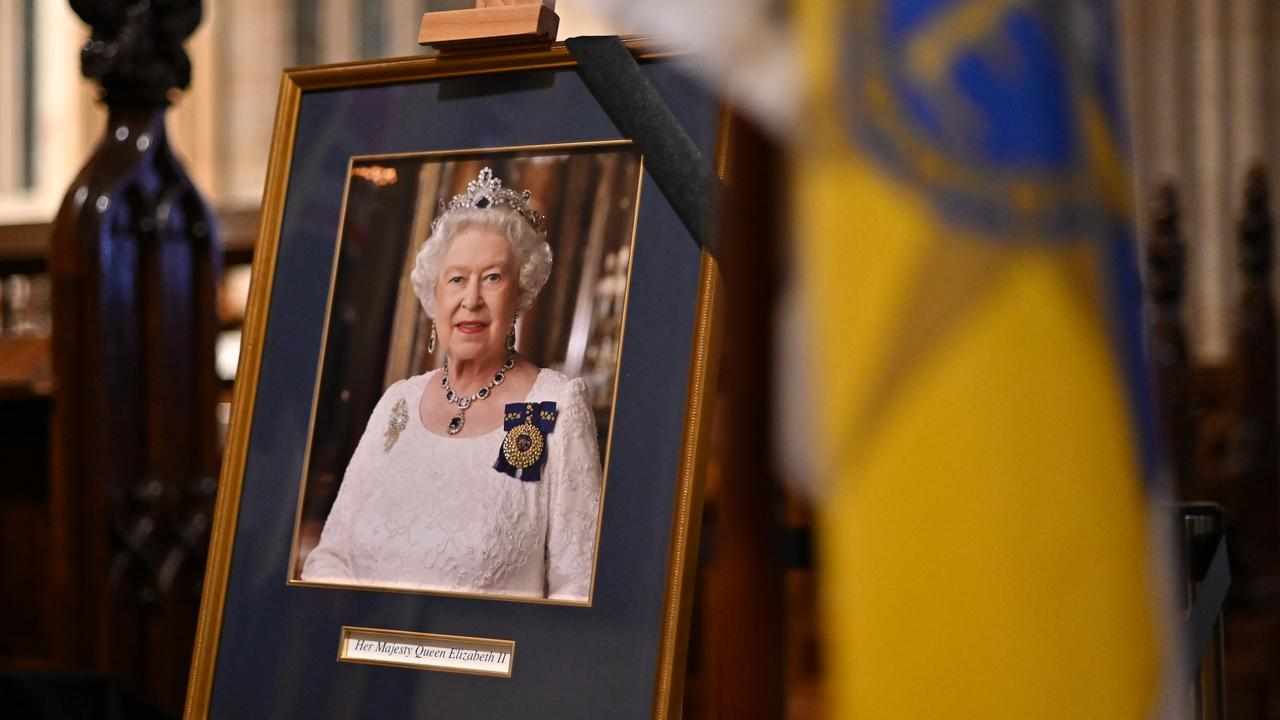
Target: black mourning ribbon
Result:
[[671, 156]]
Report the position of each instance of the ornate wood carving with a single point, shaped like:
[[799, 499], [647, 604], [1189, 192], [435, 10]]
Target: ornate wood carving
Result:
[[1166, 266], [135, 263], [1254, 500], [1220, 423], [741, 613]]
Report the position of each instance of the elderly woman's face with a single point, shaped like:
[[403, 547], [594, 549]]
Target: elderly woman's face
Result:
[[476, 295]]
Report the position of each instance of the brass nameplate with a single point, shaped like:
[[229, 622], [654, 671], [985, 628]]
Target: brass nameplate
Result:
[[427, 651]]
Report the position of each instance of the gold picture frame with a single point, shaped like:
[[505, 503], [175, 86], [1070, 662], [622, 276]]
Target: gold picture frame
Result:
[[689, 450]]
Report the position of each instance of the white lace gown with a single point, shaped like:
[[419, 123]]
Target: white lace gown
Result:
[[430, 512]]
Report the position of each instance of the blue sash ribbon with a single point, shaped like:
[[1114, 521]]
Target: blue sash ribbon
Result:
[[523, 451]]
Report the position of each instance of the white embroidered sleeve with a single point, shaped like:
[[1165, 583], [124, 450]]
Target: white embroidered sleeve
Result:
[[330, 560], [574, 496]]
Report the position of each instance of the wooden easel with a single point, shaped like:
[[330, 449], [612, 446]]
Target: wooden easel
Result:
[[489, 23]]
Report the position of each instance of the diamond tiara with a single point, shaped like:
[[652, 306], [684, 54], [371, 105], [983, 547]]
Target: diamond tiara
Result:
[[485, 192]]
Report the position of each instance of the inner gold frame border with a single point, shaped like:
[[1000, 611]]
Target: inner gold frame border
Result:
[[444, 156], [704, 364]]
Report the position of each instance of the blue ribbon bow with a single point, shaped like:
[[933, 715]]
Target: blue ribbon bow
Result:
[[523, 452]]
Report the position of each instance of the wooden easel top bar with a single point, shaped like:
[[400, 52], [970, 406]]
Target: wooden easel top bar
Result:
[[491, 22]]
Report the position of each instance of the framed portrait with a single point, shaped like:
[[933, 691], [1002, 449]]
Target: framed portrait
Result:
[[571, 330], [463, 473]]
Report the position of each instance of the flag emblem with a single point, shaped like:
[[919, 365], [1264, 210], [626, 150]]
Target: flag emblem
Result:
[[979, 105]]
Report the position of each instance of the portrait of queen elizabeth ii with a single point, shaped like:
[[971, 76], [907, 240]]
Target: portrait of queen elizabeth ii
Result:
[[481, 475]]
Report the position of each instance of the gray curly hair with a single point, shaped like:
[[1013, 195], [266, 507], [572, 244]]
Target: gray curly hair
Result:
[[532, 253]]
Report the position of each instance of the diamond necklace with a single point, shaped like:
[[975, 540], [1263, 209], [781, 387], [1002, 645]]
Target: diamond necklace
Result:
[[462, 402]]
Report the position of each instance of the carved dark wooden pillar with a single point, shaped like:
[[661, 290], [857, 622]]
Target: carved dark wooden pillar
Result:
[[1252, 498], [135, 265], [1255, 501], [1166, 266], [742, 609]]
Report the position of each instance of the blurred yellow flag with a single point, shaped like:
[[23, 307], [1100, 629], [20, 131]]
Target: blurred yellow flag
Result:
[[962, 210]]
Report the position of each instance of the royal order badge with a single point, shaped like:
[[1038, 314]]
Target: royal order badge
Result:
[[524, 449]]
